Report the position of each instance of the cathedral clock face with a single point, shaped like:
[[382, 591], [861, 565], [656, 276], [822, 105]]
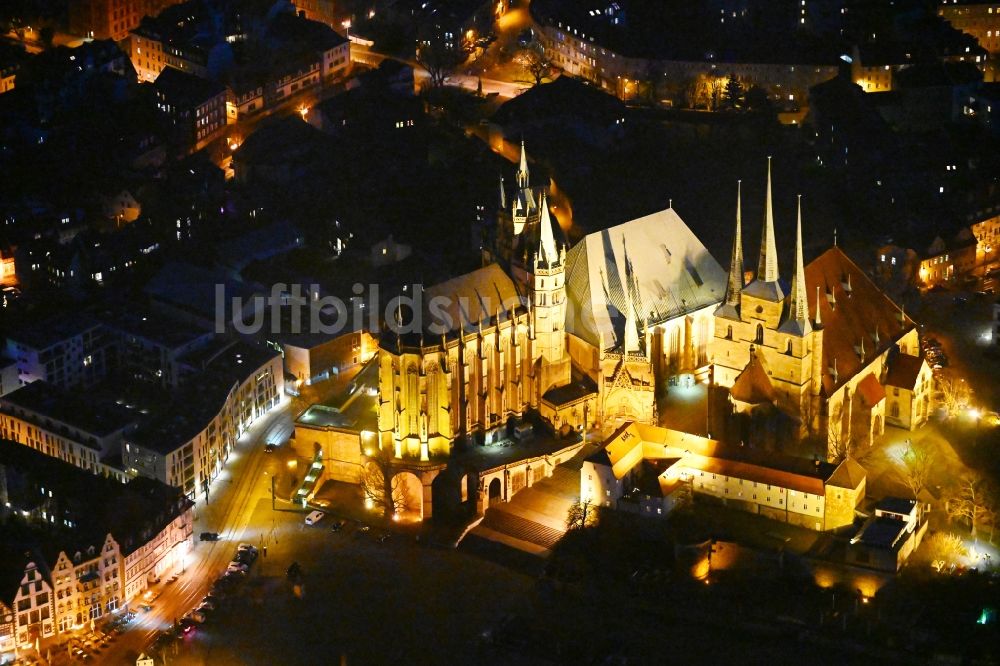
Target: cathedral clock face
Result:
[[760, 308]]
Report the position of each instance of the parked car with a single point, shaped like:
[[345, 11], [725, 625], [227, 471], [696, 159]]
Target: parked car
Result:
[[237, 567], [339, 525], [244, 557], [197, 616], [314, 517], [320, 502], [186, 625], [209, 536], [206, 606], [268, 448], [247, 546]]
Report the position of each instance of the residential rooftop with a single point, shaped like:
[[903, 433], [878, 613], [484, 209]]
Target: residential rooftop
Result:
[[223, 366], [43, 334], [186, 90], [156, 327], [49, 406], [86, 507], [883, 532], [898, 505]]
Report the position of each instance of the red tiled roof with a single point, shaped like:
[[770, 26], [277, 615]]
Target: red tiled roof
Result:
[[855, 315], [871, 390], [904, 370], [751, 472]]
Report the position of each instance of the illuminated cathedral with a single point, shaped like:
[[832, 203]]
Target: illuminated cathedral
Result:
[[582, 335]]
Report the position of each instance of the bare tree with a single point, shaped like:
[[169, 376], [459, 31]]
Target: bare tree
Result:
[[841, 440], [917, 460], [717, 88], [439, 59], [535, 62], [581, 514], [973, 500], [955, 394], [942, 549], [381, 487]]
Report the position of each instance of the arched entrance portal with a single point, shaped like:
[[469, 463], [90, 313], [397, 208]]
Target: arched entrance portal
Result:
[[495, 491]]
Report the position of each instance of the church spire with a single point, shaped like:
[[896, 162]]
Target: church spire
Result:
[[767, 267], [547, 251], [735, 286], [631, 330], [522, 170], [503, 195], [798, 309]]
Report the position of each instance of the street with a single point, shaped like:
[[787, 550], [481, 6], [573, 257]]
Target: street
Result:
[[233, 496]]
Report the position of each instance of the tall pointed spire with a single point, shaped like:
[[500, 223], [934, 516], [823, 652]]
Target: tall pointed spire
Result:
[[522, 169], [767, 267], [503, 195], [547, 251], [798, 308], [735, 286]]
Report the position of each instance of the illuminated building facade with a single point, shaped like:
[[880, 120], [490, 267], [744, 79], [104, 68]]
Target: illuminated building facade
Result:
[[111, 19], [108, 537], [651, 470], [824, 342], [189, 443]]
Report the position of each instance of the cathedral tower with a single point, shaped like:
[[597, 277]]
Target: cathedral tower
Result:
[[549, 291], [762, 301], [548, 299]]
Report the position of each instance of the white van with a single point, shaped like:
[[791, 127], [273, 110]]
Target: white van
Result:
[[314, 517]]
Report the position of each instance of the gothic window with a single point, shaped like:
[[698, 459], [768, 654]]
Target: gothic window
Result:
[[894, 410], [729, 332], [760, 334], [788, 347]]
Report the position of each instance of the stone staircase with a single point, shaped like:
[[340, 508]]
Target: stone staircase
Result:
[[520, 528], [535, 518]]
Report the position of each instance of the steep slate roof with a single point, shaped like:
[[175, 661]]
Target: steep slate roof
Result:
[[904, 370], [653, 264], [753, 386], [852, 315], [469, 299]]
